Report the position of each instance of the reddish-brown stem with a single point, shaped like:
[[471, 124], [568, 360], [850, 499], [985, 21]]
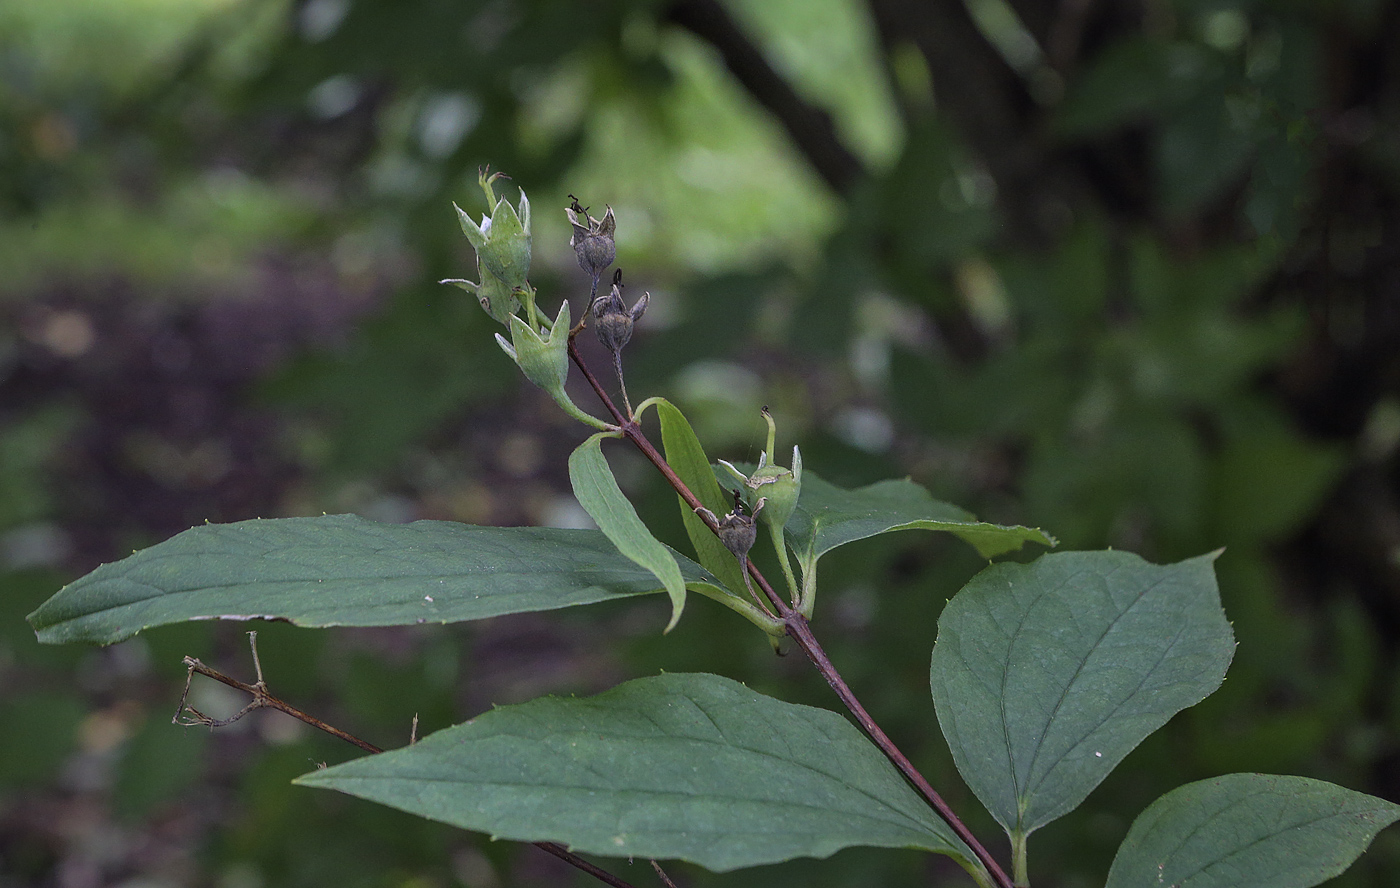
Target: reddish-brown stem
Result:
[[593, 380], [801, 632], [572, 859], [262, 699], [633, 432]]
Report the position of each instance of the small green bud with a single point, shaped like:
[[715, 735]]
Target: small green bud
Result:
[[592, 239], [502, 239], [545, 360], [781, 487]]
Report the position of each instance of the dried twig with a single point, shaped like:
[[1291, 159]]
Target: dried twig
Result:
[[263, 699]]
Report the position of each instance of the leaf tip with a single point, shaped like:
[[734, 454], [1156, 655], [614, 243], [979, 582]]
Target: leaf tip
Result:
[[676, 609]]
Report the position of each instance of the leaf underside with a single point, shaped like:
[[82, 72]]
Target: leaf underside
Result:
[[598, 493], [687, 457], [343, 570], [828, 516], [684, 766], [1045, 675]]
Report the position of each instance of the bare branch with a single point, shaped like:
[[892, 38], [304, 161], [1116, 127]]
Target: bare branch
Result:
[[665, 879], [811, 128], [988, 100], [261, 699]]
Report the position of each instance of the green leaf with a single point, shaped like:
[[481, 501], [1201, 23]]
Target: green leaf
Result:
[[828, 516], [1133, 79], [598, 493], [1249, 831], [1045, 675], [1267, 482], [685, 766], [687, 457], [342, 570]]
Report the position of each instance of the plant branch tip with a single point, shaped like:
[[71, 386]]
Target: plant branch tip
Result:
[[661, 874]]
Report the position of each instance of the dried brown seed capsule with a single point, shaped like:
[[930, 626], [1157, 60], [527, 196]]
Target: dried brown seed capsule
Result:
[[738, 531], [592, 239], [614, 319]]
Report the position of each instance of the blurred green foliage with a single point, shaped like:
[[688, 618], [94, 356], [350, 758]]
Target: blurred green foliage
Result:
[[1125, 272]]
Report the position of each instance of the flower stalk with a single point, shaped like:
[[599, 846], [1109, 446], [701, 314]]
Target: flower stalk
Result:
[[614, 323]]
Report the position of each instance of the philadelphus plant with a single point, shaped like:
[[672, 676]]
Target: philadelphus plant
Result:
[[1044, 674], [540, 348]]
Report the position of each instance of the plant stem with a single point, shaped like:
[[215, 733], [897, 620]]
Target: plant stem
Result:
[[572, 859], [263, 699], [780, 545], [588, 375], [801, 632], [1019, 868], [621, 382]]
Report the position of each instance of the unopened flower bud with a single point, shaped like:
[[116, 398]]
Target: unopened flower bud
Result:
[[781, 487], [544, 359], [502, 239], [592, 239]]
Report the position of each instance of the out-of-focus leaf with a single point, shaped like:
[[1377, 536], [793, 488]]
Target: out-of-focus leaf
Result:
[[1249, 831], [1204, 147], [157, 763], [1130, 80], [1143, 467], [342, 570], [1266, 483], [685, 766], [39, 732], [404, 372], [1045, 675]]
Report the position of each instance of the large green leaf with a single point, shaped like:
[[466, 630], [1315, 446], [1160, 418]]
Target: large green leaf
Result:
[[828, 516], [685, 766], [342, 570], [598, 493], [1249, 831], [1045, 675], [687, 457]]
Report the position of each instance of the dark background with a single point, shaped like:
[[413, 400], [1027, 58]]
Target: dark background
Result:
[[1129, 271]]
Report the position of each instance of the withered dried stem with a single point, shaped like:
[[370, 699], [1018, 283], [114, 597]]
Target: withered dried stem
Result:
[[261, 699]]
